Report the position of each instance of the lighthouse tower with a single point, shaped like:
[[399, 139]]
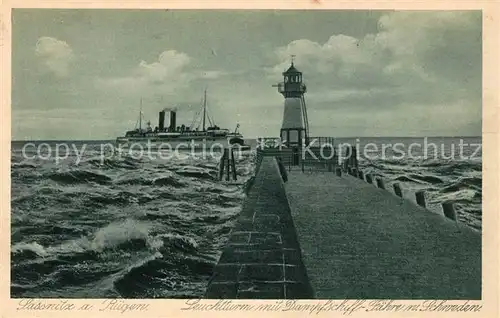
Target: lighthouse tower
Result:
[[295, 127]]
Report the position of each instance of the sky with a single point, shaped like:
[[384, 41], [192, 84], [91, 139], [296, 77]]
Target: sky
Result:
[[81, 74]]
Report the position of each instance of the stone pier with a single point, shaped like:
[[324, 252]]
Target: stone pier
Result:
[[262, 258], [333, 236]]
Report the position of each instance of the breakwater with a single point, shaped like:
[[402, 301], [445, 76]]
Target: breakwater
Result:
[[352, 238]]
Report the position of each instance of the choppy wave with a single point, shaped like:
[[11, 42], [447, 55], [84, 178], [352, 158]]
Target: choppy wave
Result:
[[127, 227], [77, 176], [157, 181], [459, 182], [121, 226], [197, 172], [464, 183]]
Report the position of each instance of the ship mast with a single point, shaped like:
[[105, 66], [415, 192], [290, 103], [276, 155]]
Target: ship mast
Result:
[[140, 117], [204, 108]]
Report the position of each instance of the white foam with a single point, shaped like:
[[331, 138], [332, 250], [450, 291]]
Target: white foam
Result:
[[34, 247]]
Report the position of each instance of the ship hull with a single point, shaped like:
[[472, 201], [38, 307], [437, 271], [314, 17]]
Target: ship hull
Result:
[[186, 143]]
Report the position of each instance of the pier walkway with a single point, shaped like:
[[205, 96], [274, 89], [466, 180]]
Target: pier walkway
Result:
[[362, 242], [262, 258], [319, 235]]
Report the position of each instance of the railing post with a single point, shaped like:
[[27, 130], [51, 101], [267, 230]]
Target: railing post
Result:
[[233, 164], [449, 211], [226, 153], [380, 183], [420, 197], [354, 157], [338, 172], [397, 190], [354, 172], [369, 178], [221, 165], [361, 175]]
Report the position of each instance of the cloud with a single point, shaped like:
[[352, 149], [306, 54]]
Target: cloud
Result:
[[392, 73], [169, 73], [212, 74], [400, 46], [417, 71], [55, 54], [170, 64], [414, 57], [338, 52]]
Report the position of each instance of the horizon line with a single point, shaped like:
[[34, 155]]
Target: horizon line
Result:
[[350, 137]]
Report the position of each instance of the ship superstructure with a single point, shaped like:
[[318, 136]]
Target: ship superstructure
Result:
[[174, 133]]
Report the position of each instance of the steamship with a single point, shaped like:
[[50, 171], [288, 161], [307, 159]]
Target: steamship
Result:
[[183, 137]]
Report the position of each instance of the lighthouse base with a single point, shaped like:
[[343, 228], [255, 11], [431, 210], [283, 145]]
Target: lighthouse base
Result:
[[292, 137]]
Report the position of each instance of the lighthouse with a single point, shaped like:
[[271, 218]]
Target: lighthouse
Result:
[[295, 127]]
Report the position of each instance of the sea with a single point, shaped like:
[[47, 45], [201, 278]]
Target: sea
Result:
[[88, 221]]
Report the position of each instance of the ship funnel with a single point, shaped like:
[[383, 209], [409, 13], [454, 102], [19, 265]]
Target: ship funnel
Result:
[[173, 114], [171, 109], [161, 120]]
